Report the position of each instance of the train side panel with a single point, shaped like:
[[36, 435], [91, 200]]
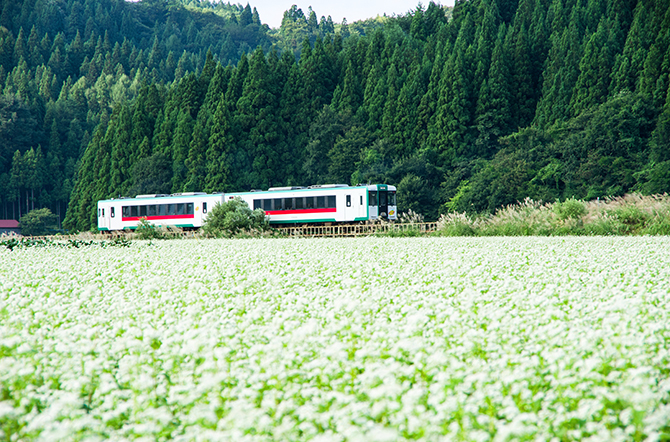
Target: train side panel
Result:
[[311, 205], [186, 211]]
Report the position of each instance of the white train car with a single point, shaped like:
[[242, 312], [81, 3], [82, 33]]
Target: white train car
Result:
[[185, 210], [324, 203], [331, 203]]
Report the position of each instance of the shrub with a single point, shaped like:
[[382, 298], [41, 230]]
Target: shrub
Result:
[[232, 218], [632, 214], [570, 209], [146, 230], [38, 222], [631, 218]]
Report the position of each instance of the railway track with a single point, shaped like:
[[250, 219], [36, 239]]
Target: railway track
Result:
[[308, 231], [353, 230]]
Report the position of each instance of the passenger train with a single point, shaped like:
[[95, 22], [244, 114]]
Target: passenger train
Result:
[[330, 203]]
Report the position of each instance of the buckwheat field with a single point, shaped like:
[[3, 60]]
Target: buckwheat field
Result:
[[371, 339]]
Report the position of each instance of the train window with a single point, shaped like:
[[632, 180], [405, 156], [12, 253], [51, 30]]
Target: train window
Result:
[[98, 213], [204, 206], [151, 210], [382, 198], [331, 202], [391, 198], [373, 198], [277, 204], [189, 208], [181, 210], [125, 211], [288, 203], [267, 205], [320, 202], [133, 211], [143, 210], [299, 203], [361, 200], [309, 202], [171, 209], [162, 210], [112, 212], [103, 212], [257, 204], [348, 200]]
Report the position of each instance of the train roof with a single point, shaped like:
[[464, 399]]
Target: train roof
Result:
[[161, 196], [271, 190], [316, 187]]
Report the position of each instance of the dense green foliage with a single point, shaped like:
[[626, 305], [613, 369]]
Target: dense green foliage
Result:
[[233, 217], [632, 214], [464, 110], [38, 222], [64, 65]]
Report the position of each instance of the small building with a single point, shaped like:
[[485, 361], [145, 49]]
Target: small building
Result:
[[9, 226]]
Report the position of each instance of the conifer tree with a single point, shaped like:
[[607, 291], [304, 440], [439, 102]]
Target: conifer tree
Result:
[[196, 164], [523, 98], [180, 147], [494, 108], [630, 63], [119, 140], [217, 155], [405, 123], [346, 153]]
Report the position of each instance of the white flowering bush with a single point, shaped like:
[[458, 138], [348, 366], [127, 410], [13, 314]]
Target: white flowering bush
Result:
[[369, 339]]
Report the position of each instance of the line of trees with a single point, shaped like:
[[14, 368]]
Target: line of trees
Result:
[[464, 110], [64, 65]]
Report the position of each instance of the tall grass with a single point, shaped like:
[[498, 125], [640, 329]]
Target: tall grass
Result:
[[632, 214]]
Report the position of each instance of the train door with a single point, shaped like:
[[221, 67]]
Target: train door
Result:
[[349, 211], [103, 217], [373, 207], [383, 204], [200, 211]]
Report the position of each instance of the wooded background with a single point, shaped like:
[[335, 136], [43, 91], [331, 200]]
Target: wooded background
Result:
[[467, 109]]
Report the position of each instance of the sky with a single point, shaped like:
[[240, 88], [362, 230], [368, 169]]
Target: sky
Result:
[[272, 11]]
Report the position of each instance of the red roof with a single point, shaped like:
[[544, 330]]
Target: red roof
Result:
[[9, 224]]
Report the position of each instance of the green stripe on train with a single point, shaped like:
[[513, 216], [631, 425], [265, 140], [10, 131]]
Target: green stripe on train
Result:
[[161, 225], [325, 220]]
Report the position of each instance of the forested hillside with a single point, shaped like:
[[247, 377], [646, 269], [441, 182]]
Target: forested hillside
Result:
[[463, 110], [65, 64]]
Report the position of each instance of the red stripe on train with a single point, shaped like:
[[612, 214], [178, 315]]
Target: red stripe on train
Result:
[[151, 218], [299, 211]]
